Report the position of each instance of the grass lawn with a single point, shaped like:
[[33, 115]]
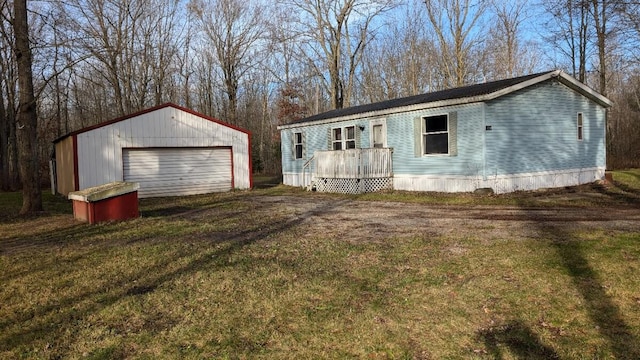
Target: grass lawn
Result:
[[226, 276]]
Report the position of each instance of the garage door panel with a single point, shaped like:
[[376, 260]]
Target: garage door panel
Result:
[[178, 171], [174, 181], [172, 171], [163, 189]]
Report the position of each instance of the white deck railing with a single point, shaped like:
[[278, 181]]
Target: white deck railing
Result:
[[307, 167], [354, 163]]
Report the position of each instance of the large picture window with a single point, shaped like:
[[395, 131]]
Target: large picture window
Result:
[[435, 136], [343, 138]]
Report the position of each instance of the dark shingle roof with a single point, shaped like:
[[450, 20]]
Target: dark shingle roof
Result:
[[450, 94]]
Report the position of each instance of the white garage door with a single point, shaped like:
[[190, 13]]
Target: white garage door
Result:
[[178, 171]]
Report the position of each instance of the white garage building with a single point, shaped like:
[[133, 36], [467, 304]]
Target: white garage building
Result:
[[168, 149]]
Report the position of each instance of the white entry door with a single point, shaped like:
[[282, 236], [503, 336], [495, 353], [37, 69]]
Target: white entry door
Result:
[[378, 134]]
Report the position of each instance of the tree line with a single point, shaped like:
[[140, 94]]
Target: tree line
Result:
[[257, 64]]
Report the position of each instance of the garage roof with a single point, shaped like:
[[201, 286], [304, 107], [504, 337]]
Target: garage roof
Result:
[[126, 117]]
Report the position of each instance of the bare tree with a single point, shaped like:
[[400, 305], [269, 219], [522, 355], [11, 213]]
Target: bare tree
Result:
[[508, 54], [569, 24], [333, 35], [129, 50], [630, 15], [455, 25], [27, 117], [104, 29], [9, 179], [166, 31], [4, 143], [623, 147], [282, 47], [617, 36], [602, 13], [399, 62], [185, 63], [233, 28]]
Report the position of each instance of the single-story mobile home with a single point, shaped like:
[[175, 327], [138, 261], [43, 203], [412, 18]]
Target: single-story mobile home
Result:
[[543, 130], [169, 150]]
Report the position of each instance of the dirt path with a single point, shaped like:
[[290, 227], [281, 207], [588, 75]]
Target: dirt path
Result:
[[366, 220]]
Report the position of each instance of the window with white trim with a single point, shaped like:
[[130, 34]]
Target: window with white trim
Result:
[[298, 145], [350, 137], [435, 135], [336, 139], [343, 138], [580, 126]]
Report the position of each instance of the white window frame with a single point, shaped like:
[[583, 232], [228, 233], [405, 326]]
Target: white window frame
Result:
[[336, 142], [425, 134], [347, 139], [343, 141], [580, 126], [296, 144]]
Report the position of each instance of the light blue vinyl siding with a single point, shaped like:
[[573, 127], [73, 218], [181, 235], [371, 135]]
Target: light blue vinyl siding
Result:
[[316, 138], [400, 137], [468, 161], [535, 129]]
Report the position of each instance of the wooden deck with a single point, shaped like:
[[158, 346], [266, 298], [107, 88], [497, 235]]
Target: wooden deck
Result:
[[353, 171], [354, 163]]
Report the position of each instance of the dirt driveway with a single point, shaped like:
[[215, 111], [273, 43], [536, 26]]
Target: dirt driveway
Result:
[[374, 220], [350, 220]]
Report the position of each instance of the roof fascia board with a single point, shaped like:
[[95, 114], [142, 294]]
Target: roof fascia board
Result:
[[564, 79], [585, 90]]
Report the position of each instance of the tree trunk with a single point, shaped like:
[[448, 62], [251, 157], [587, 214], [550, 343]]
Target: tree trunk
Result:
[[14, 173], [231, 84], [600, 18], [8, 158], [583, 38], [27, 117], [4, 145]]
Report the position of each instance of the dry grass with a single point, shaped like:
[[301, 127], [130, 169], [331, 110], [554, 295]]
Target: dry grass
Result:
[[232, 276]]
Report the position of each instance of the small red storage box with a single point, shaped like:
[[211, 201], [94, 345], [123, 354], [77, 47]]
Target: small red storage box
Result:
[[113, 201]]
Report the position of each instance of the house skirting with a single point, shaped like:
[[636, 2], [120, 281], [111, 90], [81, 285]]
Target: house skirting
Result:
[[352, 186], [296, 179], [499, 183]]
